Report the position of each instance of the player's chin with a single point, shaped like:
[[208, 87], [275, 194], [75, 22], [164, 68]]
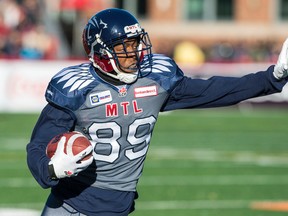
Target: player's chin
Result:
[[129, 69]]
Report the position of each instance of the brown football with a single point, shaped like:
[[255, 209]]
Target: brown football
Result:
[[75, 143]]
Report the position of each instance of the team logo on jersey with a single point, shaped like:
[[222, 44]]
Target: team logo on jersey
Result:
[[145, 91], [122, 92], [100, 98]]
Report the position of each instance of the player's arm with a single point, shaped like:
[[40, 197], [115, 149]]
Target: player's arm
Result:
[[52, 121], [224, 91]]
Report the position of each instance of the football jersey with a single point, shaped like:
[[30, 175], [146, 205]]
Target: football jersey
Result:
[[118, 120]]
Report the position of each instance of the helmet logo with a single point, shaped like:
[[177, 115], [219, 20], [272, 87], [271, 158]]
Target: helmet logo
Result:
[[102, 23], [95, 23], [132, 30]]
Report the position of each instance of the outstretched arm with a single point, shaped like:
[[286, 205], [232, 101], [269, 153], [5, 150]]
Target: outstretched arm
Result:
[[224, 91]]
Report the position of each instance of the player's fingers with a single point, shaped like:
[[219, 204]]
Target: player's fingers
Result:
[[284, 54], [85, 163], [83, 153], [61, 145]]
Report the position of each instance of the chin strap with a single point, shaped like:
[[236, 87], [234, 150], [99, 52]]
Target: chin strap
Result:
[[122, 76], [127, 77]]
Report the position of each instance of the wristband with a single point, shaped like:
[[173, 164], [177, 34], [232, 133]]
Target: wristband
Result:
[[52, 172]]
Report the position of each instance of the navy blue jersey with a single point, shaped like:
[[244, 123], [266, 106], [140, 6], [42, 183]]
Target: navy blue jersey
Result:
[[119, 121]]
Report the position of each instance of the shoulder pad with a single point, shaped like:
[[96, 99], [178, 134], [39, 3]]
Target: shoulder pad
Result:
[[67, 88], [162, 69], [157, 63]]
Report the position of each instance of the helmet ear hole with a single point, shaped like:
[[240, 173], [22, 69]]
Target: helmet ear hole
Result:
[[105, 53], [103, 64]]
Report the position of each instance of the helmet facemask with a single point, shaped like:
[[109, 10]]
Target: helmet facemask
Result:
[[112, 53]]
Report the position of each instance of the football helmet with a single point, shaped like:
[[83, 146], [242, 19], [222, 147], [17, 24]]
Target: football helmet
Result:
[[110, 28]]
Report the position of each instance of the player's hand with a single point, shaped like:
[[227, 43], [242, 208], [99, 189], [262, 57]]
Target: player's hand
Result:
[[69, 165], [281, 68]]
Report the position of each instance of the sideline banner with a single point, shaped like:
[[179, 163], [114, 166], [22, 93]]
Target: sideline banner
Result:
[[23, 83]]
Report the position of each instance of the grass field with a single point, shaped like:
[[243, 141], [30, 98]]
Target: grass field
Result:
[[215, 162]]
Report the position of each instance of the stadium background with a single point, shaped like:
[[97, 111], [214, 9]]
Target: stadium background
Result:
[[228, 161]]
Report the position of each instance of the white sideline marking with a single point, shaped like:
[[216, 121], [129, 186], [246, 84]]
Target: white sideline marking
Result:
[[13, 143], [251, 157], [154, 205], [18, 212], [214, 180], [175, 180], [27, 206], [197, 204], [18, 182]]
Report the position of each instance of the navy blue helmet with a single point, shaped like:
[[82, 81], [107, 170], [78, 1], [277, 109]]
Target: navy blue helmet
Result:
[[108, 28]]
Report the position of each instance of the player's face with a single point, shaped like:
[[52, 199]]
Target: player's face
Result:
[[127, 54]]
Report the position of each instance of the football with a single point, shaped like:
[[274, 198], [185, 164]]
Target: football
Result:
[[75, 143]]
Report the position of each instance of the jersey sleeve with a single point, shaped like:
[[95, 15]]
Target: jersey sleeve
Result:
[[65, 93], [52, 121], [222, 91]]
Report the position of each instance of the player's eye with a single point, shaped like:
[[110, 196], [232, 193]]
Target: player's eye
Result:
[[119, 48]]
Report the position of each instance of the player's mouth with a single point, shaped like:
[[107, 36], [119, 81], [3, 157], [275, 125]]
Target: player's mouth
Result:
[[132, 66]]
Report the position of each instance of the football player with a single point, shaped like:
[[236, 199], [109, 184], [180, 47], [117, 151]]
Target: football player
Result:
[[115, 100]]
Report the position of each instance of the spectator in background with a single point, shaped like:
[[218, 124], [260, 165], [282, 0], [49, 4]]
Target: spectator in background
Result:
[[21, 34], [3, 33], [13, 44], [11, 13], [10, 16], [32, 11], [37, 44]]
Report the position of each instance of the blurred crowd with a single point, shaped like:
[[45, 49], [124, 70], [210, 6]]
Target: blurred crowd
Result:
[[260, 51], [23, 35], [222, 52]]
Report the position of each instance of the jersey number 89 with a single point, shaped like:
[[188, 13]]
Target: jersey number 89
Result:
[[133, 138]]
